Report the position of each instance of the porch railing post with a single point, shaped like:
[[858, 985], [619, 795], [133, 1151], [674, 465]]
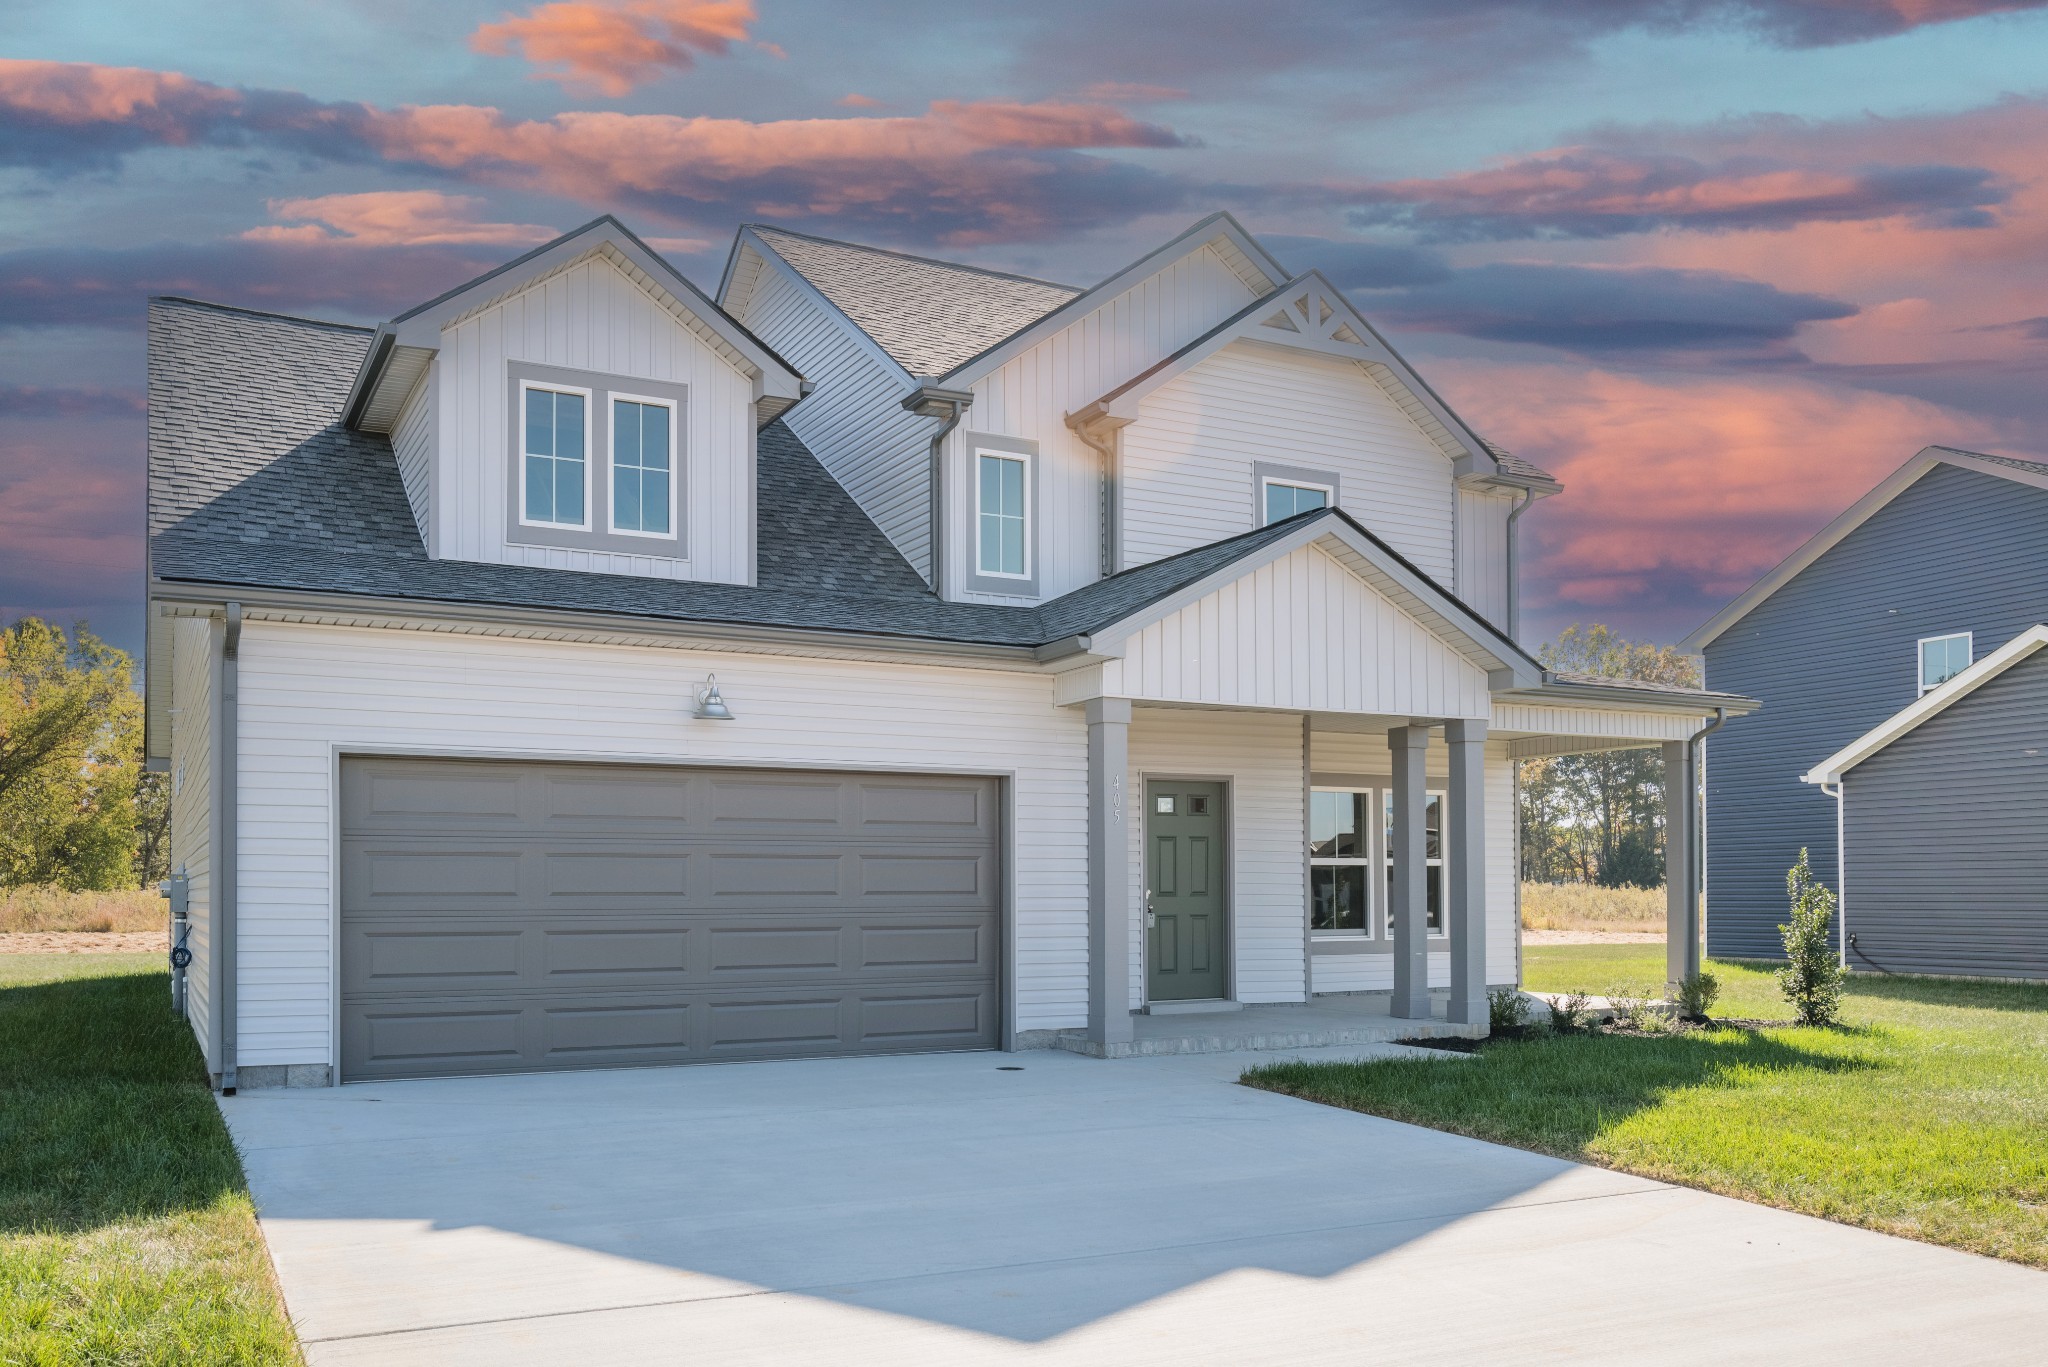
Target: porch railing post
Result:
[[1465, 862], [1109, 871], [1409, 852]]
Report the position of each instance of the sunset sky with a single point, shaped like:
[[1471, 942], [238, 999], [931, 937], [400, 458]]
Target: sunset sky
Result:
[[1719, 264]]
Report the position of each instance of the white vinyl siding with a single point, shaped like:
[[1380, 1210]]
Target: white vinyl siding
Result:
[[1029, 396], [1303, 633], [591, 317], [853, 421], [1259, 755], [412, 443], [192, 807], [1366, 756], [1482, 581], [1188, 459], [308, 690]]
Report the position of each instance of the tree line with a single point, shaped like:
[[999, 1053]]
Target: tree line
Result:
[[1600, 818], [77, 809]]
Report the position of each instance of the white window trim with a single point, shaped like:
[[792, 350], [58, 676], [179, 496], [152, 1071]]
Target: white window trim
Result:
[[589, 453], [1920, 658], [1374, 805], [611, 462], [1024, 459], [1328, 491]]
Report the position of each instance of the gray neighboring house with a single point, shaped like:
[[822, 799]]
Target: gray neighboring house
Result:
[[1905, 709]]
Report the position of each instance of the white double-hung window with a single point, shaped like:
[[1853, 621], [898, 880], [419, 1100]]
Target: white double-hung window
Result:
[[1351, 860], [1942, 658], [1003, 515], [555, 459], [643, 466]]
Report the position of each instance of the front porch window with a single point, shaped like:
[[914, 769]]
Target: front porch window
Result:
[[1433, 850], [1340, 860]]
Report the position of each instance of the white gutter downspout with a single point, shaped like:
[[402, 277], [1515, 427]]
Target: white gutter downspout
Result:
[[1084, 425], [226, 855], [928, 400], [1696, 857], [1515, 567], [1834, 790]]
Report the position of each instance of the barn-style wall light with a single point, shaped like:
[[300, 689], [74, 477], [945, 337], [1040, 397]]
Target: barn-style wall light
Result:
[[711, 706]]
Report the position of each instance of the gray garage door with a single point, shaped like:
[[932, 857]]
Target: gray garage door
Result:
[[506, 917]]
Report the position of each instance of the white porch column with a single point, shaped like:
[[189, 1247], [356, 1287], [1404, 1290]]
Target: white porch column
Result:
[[1109, 871], [1681, 904], [1465, 863], [1410, 745]]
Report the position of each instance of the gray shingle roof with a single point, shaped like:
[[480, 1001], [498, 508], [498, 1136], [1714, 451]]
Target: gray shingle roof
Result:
[[254, 482], [2034, 467], [1512, 464], [929, 315]]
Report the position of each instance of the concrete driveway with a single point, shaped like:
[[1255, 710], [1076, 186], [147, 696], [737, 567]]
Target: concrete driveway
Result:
[[943, 1209]]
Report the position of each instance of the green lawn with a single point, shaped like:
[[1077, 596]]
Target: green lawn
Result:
[[1925, 1115], [126, 1230]]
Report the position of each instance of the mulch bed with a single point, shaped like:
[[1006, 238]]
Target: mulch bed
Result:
[[1526, 1032]]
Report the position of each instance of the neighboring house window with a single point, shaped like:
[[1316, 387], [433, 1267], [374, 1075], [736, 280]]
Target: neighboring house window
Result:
[[1433, 851], [556, 444], [1942, 658], [1003, 520], [1284, 499], [1340, 860], [643, 465]]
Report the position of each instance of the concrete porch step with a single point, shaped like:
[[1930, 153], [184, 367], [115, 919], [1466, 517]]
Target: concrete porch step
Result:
[[1257, 1030]]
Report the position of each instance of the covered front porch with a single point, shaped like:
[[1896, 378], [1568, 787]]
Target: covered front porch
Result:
[[1301, 804]]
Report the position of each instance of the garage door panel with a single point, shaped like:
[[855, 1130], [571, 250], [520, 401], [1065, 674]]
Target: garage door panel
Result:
[[641, 915]]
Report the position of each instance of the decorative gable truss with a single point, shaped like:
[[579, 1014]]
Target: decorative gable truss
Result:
[[1310, 314]]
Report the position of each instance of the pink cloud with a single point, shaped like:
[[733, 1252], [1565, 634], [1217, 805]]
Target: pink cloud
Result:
[[391, 218], [613, 47], [1680, 491]]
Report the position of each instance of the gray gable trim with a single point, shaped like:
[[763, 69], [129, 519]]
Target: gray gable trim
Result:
[[1827, 538], [419, 328]]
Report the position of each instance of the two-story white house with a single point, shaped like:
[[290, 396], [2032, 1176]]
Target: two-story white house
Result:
[[889, 655]]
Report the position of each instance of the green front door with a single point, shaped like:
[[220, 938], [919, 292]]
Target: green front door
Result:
[[1184, 892]]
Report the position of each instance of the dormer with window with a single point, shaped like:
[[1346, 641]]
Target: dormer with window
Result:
[[583, 407]]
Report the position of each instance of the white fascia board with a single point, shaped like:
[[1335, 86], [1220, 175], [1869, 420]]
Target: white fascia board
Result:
[[1473, 462], [420, 327], [1215, 226], [1858, 513], [1460, 629], [1831, 769]]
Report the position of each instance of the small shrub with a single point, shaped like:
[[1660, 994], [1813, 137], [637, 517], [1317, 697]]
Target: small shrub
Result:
[[1697, 995], [1636, 1008], [1570, 1012], [1506, 1009], [1812, 978]]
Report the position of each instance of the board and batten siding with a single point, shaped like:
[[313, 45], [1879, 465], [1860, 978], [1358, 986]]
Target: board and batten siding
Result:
[[412, 444], [308, 692], [1363, 756], [1188, 459], [1832, 654], [1947, 834], [1482, 540], [1030, 395], [1301, 632], [191, 850], [591, 316], [1259, 755], [853, 420]]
